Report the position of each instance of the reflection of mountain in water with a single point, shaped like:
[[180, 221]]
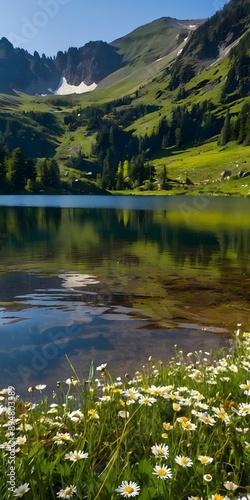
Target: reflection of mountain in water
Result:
[[117, 285], [74, 235]]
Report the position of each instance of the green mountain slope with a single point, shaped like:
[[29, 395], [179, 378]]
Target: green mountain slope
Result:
[[146, 51], [174, 116], [154, 40], [211, 41]]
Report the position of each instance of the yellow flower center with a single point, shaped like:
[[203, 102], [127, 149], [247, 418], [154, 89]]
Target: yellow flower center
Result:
[[162, 472], [221, 414], [167, 426], [176, 406], [68, 491], [218, 497], [186, 425], [128, 489]]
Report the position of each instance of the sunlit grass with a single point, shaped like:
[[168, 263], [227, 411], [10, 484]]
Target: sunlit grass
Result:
[[175, 431]]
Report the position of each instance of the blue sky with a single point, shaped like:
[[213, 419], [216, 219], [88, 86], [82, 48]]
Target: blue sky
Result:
[[51, 25]]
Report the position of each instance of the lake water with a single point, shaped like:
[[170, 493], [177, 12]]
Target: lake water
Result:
[[116, 279]]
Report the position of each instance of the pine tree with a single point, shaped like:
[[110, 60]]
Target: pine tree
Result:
[[162, 177], [18, 170], [226, 131]]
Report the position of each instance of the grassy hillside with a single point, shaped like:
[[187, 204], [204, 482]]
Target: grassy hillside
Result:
[[137, 113], [154, 40]]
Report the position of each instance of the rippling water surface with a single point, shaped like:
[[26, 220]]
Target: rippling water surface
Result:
[[117, 279]]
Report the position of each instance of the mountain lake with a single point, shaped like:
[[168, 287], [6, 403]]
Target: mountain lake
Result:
[[116, 279]]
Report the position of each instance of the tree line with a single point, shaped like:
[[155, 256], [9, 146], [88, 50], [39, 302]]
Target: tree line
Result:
[[19, 173], [236, 127], [123, 160]]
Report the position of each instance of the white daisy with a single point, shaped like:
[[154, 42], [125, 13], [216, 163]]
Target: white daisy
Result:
[[52, 410], [74, 456], [233, 368], [160, 450], [128, 489], [76, 416], [221, 413], [159, 391], [19, 492], [62, 438], [4, 391], [245, 386], [162, 472], [21, 440], [71, 381], [147, 401], [25, 427], [183, 461], [230, 486], [244, 409], [205, 460], [40, 387], [101, 367], [188, 426], [5, 446], [206, 418], [67, 493], [132, 393], [105, 399], [123, 414]]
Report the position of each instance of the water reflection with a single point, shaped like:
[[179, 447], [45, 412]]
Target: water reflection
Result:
[[117, 285], [56, 233]]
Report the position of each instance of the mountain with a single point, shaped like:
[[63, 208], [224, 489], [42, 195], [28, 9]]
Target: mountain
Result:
[[192, 45], [154, 40], [33, 74], [92, 63], [170, 109], [212, 41]]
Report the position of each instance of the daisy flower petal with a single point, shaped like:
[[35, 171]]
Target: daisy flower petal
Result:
[[128, 489], [162, 472]]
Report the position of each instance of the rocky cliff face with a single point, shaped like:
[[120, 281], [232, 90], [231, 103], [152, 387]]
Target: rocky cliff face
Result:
[[89, 64], [19, 70], [33, 74]]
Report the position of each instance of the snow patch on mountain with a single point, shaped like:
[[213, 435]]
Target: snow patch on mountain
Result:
[[64, 88]]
